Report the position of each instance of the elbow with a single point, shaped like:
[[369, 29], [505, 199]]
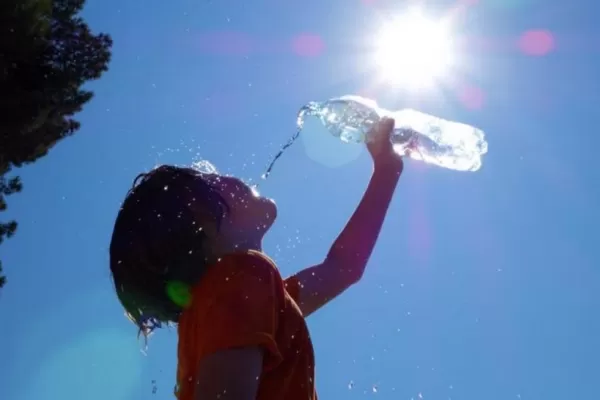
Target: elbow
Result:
[[354, 276], [350, 269]]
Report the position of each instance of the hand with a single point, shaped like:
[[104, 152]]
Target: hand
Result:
[[380, 146]]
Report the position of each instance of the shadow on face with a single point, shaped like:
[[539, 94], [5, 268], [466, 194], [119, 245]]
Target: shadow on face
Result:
[[249, 215]]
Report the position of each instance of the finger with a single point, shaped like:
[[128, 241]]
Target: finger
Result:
[[386, 126], [383, 129]]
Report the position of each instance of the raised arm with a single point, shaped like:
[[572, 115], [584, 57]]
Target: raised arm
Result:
[[347, 258]]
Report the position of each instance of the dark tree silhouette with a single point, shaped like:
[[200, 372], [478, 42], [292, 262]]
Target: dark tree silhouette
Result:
[[47, 52]]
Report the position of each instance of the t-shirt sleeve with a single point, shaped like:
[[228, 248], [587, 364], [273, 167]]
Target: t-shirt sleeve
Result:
[[245, 310]]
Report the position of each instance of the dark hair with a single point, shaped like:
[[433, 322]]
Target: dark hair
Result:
[[157, 240]]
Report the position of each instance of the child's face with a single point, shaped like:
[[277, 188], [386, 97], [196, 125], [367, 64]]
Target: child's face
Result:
[[249, 215]]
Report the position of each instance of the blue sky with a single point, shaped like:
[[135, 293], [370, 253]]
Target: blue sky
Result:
[[482, 286]]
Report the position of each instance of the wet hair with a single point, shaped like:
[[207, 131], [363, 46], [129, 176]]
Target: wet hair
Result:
[[157, 241]]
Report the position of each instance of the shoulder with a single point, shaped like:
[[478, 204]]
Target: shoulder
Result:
[[238, 272], [249, 267], [255, 264]]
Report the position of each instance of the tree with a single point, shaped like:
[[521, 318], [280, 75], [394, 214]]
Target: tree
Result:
[[47, 53]]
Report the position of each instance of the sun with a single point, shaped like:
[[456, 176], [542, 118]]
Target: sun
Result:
[[414, 51]]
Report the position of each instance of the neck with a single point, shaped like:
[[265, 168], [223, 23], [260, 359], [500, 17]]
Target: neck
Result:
[[247, 246], [237, 247]]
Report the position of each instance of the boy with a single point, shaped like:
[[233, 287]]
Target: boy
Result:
[[186, 248]]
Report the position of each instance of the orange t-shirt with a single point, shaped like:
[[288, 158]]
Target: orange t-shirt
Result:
[[243, 301]]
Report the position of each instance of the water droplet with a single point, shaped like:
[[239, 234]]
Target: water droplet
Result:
[[204, 167]]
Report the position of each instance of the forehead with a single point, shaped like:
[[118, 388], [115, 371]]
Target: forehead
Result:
[[212, 177], [227, 184]]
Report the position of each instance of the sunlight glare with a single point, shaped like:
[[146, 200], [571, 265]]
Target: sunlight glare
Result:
[[414, 51]]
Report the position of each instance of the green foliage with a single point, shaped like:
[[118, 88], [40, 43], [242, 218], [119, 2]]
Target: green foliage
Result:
[[47, 53]]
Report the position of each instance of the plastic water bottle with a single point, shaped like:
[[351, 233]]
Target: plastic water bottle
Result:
[[416, 135]]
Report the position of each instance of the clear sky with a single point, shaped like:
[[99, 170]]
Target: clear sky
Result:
[[483, 285]]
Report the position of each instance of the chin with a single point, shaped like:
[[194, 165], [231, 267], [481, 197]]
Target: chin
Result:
[[268, 215], [271, 212]]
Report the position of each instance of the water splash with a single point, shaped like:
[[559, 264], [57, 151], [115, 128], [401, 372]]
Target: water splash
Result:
[[204, 167], [311, 109], [348, 117]]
